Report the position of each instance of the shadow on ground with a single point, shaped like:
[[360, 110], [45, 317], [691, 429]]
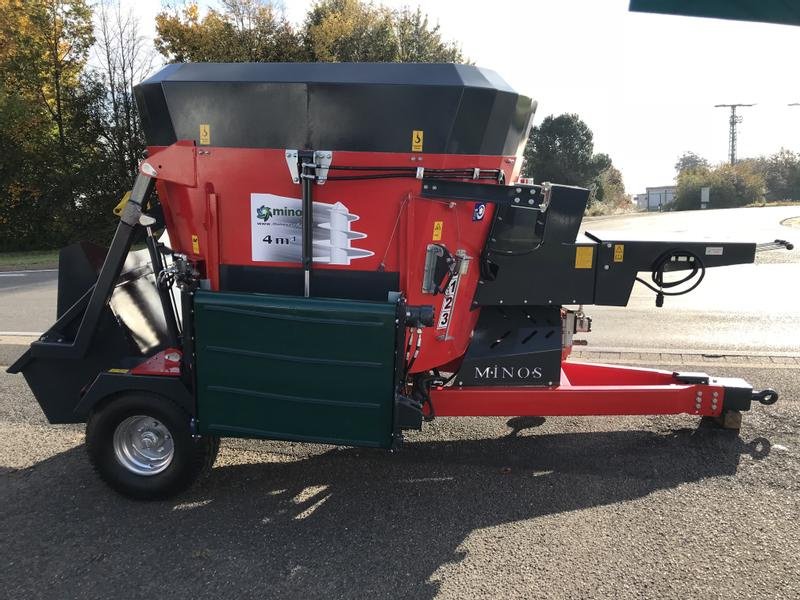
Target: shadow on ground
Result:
[[346, 523]]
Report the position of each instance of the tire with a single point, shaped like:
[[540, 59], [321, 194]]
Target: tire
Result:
[[140, 444]]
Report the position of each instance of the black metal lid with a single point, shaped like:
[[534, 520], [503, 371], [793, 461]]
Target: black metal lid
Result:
[[368, 107]]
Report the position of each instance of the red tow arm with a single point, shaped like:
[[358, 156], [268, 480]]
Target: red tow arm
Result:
[[588, 389]]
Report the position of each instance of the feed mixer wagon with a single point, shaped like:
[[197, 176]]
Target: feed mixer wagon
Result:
[[349, 253]]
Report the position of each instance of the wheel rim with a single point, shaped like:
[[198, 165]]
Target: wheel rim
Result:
[[143, 445]]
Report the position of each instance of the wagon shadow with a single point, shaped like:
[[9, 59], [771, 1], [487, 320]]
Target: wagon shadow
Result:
[[344, 523]]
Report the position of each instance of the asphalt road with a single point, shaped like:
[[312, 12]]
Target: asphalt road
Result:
[[28, 300], [629, 507]]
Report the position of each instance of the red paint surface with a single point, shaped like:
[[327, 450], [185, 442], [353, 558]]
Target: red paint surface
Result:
[[214, 204], [587, 389], [166, 363]]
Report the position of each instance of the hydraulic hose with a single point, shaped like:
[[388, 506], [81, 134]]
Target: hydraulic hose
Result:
[[697, 272]]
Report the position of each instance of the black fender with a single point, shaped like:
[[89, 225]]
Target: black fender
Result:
[[107, 384]]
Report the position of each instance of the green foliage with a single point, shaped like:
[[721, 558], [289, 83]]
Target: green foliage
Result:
[[417, 41], [349, 31], [610, 191], [781, 173], [689, 161], [333, 31], [764, 179], [731, 186], [49, 146], [242, 31], [561, 150]]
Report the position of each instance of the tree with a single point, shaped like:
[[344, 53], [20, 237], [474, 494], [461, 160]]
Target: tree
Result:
[[333, 31], [417, 41], [731, 185], [561, 150], [610, 190], [781, 173], [124, 60], [352, 31], [689, 161], [43, 56], [242, 31], [349, 31]]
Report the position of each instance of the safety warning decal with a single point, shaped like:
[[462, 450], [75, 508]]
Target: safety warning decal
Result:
[[619, 252], [416, 140], [195, 244], [276, 231], [205, 134], [583, 257], [438, 227]]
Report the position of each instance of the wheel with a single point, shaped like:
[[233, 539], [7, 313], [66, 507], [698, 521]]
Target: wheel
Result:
[[142, 447]]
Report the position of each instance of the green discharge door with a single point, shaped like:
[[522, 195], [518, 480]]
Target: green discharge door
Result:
[[284, 367]]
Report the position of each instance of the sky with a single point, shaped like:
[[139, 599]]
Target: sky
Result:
[[645, 84]]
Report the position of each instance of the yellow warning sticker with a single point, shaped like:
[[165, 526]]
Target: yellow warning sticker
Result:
[[117, 371], [195, 244], [438, 227], [205, 134], [416, 140], [584, 256], [619, 252]]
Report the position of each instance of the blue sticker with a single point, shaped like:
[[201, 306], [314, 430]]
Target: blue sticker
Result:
[[478, 211]]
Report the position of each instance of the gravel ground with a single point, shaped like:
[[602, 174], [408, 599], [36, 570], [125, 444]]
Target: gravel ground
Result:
[[630, 507]]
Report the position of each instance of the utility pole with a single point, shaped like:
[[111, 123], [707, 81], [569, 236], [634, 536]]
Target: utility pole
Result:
[[734, 121]]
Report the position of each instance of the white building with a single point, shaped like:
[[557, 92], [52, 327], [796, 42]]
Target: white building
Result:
[[656, 198]]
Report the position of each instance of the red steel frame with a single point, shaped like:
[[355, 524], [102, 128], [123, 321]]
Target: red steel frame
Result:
[[586, 389], [205, 193]]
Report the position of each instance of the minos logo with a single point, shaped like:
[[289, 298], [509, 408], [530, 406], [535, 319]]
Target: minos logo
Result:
[[265, 213], [498, 372]]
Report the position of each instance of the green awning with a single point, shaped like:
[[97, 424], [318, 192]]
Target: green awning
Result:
[[784, 12]]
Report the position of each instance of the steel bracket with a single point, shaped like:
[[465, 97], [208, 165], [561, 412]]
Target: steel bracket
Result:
[[322, 160], [291, 162]]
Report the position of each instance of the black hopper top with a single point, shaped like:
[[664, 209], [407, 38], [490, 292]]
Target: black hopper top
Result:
[[367, 107]]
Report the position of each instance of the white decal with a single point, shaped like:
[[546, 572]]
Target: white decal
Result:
[[276, 231], [448, 302], [714, 250]]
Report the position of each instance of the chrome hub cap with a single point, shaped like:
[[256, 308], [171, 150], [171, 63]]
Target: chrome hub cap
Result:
[[143, 445]]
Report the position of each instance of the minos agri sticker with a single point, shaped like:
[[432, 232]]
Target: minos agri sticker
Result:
[[277, 231]]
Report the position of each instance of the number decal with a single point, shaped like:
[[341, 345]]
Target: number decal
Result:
[[448, 302]]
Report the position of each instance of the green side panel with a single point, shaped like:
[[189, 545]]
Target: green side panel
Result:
[[306, 369]]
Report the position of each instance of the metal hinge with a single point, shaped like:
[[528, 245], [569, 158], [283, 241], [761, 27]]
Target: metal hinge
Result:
[[291, 162]]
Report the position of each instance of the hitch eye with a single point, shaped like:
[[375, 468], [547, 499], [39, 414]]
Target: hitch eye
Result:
[[766, 397]]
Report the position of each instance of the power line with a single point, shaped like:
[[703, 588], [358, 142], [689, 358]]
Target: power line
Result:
[[733, 121]]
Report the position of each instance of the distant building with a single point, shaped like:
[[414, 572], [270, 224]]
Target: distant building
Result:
[[656, 198]]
